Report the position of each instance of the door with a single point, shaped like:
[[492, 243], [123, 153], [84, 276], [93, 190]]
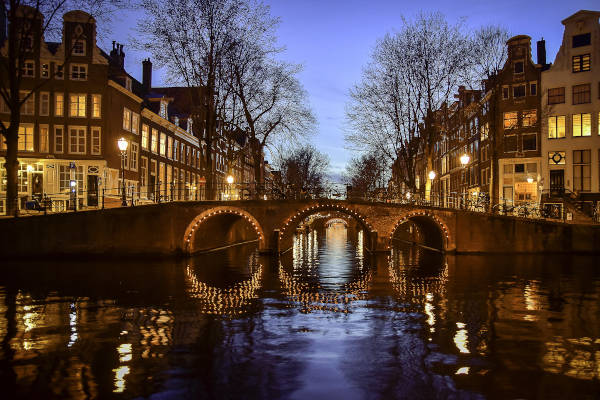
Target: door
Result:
[[557, 182], [151, 183], [37, 185], [92, 190]]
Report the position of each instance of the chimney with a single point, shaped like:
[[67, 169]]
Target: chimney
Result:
[[3, 23], [147, 75], [541, 52]]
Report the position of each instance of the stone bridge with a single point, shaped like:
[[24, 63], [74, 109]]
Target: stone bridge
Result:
[[191, 227]]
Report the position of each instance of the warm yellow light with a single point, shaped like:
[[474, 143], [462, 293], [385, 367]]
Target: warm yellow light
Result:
[[29, 168], [464, 159], [529, 179], [408, 195], [230, 179], [431, 175], [122, 143]]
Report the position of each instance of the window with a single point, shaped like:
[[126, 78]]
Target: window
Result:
[[134, 156], [519, 67], [154, 143], [79, 47], [529, 117], [556, 126], [77, 140], [533, 89], [582, 93], [58, 139], [126, 119], [96, 140], [144, 136], [510, 120], [59, 104], [505, 92], [28, 108], [519, 168], [582, 40], [556, 95], [582, 63], [64, 175], [582, 179], [96, 106], [519, 91], [45, 70], [44, 103], [510, 143], [556, 158], [78, 72], [44, 139], [175, 149], [143, 170], [28, 70], [163, 144], [485, 131], [77, 104], [59, 71], [135, 123], [582, 125], [530, 142], [169, 147], [25, 142]]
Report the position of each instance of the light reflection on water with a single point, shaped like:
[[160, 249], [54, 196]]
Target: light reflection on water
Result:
[[328, 320]]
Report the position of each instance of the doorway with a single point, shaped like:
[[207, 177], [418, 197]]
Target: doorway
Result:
[[92, 190], [557, 182]]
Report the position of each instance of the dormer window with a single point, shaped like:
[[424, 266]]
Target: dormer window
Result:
[[128, 83], [163, 109], [79, 47]]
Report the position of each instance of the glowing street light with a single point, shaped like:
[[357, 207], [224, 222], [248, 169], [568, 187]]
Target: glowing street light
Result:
[[464, 159], [529, 179], [230, 179], [123, 144], [431, 175]]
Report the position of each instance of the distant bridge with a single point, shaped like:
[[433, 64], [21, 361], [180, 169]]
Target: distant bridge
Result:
[[191, 227]]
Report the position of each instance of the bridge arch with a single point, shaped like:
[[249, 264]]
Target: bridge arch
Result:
[[336, 220], [293, 220], [435, 232], [228, 215]]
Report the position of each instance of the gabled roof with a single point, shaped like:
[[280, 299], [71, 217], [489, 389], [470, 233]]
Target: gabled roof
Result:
[[582, 14]]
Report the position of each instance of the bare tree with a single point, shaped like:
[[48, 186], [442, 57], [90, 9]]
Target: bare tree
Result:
[[365, 174], [29, 23], [303, 171]]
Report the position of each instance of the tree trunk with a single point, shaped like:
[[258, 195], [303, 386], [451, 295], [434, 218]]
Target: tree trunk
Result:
[[258, 171], [12, 168]]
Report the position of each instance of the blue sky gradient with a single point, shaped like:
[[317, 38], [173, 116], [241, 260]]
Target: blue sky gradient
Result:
[[333, 39]]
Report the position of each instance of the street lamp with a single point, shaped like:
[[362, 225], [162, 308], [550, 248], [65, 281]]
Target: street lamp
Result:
[[123, 144], [229, 181], [529, 179], [431, 175], [464, 160]]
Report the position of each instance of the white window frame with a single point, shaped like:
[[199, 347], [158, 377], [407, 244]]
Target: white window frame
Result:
[[30, 103], [45, 70], [135, 123], [60, 128], [28, 70], [145, 136], [45, 103], [96, 105], [59, 111], [79, 97], [78, 138], [79, 72], [42, 136], [95, 136], [26, 131], [135, 151], [126, 119], [75, 42]]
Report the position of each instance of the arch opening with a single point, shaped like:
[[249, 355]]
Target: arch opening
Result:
[[423, 230], [219, 228], [325, 212]]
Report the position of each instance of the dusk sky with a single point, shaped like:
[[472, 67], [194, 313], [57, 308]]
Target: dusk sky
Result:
[[333, 39]]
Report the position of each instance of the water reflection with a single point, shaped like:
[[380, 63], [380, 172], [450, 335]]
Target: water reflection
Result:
[[328, 320]]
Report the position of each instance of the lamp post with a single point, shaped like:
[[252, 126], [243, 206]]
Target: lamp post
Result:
[[230, 182], [123, 144], [431, 176], [464, 160]]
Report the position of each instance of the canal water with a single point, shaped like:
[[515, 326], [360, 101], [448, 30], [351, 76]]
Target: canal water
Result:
[[328, 321]]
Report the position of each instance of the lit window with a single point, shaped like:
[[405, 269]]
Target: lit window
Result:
[[143, 170], [79, 48], [163, 144], [126, 119], [77, 140], [96, 106], [556, 158], [582, 125], [44, 139], [96, 140], [556, 126], [582, 63], [44, 103], [133, 164], [77, 103], [175, 149], [510, 120], [154, 143], [28, 69], [25, 142], [78, 72], [58, 139], [529, 117], [556, 95], [135, 123], [169, 147], [145, 136], [582, 93], [59, 104]]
